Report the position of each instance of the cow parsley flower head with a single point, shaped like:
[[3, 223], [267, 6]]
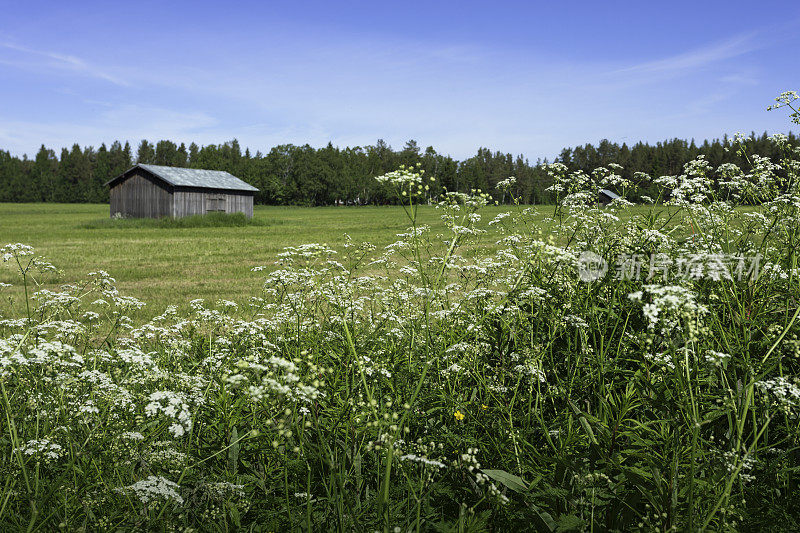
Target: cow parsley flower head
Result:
[[506, 184], [42, 449], [152, 489], [10, 251], [786, 99], [784, 392], [666, 305], [407, 180], [173, 406]]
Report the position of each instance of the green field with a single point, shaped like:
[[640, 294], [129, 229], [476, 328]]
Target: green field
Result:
[[164, 266]]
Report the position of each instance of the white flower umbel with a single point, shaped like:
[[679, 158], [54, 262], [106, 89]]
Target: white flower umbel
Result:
[[669, 305], [174, 407], [42, 449], [154, 488]]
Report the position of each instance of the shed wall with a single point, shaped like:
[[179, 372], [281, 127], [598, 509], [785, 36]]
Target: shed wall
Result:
[[141, 196], [202, 201]]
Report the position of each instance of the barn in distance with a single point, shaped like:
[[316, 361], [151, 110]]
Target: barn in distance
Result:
[[153, 191], [605, 197]]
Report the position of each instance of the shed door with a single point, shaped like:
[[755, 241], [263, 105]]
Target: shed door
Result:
[[215, 203]]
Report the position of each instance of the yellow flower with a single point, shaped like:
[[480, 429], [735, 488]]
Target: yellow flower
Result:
[[459, 415], [484, 406]]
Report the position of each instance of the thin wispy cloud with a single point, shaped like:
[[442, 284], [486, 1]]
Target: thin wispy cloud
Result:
[[46, 60], [740, 78], [700, 57], [127, 122]]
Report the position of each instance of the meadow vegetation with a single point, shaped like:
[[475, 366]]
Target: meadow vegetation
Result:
[[433, 384], [163, 265]]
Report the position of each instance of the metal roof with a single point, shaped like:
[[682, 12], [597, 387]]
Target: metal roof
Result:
[[194, 177], [610, 194]]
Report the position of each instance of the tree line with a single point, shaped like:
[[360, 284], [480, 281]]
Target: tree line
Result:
[[303, 175]]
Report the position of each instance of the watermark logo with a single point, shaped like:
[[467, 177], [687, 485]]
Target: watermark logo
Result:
[[640, 267], [591, 266]]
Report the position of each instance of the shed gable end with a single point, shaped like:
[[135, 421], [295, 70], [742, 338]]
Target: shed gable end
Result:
[[141, 195]]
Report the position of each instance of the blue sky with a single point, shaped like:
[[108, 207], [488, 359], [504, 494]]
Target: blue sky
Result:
[[521, 77]]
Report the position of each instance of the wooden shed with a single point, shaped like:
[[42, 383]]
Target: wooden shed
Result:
[[605, 197], [156, 191]]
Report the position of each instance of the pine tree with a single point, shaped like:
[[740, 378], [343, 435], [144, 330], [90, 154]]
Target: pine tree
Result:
[[146, 154]]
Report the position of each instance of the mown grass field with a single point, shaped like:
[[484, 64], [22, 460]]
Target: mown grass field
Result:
[[163, 266]]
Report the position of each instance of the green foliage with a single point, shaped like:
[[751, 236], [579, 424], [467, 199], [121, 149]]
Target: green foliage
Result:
[[302, 175]]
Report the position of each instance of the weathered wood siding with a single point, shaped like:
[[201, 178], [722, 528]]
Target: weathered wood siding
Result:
[[140, 195], [202, 201]]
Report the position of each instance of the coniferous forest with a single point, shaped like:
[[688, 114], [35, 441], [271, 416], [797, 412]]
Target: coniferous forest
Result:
[[303, 175]]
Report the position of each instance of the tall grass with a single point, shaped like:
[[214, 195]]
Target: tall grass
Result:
[[412, 388], [210, 220]]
